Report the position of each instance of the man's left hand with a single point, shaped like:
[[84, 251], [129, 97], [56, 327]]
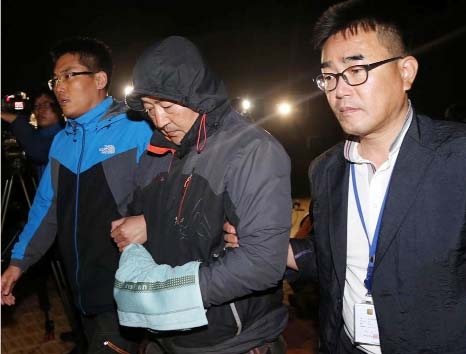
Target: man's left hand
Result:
[[131, 229]]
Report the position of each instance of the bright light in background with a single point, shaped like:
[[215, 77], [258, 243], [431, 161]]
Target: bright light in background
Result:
[[284, 108], [128, 89], [246, 105], [242, 105]]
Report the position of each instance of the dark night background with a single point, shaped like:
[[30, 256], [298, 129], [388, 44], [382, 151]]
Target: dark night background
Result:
[[260, 48]]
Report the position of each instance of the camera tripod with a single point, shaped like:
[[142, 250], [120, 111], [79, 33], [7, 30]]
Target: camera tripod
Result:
[[28, 187], [15, 175]]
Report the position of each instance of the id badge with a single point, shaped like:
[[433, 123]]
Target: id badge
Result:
[[365, 324]]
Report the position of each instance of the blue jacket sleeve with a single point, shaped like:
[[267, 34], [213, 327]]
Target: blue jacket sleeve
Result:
[[304, 255], [35, 145]]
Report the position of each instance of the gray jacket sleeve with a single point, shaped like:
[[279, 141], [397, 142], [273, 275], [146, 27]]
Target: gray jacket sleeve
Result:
[[259, 189]]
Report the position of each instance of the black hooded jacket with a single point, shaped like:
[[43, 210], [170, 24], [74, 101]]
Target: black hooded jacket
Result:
[[224, 169]]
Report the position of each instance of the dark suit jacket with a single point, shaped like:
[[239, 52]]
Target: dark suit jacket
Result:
[[419, 284]]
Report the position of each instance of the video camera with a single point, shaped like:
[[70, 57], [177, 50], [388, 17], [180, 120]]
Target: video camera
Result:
[[18, 101], [12, 153]]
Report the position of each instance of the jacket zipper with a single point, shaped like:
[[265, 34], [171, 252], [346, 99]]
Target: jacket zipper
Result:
[[185, 190], [75, 232]]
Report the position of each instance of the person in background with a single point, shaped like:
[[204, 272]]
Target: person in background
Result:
[[388, 244], [90, 174], [36, 142], [221, 167], [304, 298]]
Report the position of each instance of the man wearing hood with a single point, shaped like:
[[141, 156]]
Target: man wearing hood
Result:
[[194, 296]]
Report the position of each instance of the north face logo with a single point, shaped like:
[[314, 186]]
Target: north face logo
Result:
[[107, 149]]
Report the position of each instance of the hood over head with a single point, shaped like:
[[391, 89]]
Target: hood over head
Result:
[[174, 69]]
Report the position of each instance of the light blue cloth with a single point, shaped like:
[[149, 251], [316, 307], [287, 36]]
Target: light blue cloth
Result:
[[156, 296]]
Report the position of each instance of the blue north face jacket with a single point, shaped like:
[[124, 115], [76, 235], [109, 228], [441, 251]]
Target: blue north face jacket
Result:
[[85, 186]]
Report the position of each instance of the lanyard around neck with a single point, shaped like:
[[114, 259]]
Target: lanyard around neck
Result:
[[373, 245]]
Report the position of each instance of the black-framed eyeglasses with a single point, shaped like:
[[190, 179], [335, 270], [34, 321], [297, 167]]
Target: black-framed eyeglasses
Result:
[[354, 75], [53, 82]]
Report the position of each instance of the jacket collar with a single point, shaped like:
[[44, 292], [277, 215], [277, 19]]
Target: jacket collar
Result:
[[413, 160], [198, 134], [411, 165], [337, 181], [105, 113]]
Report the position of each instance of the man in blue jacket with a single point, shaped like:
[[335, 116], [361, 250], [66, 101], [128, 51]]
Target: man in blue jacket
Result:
[[86, 183]]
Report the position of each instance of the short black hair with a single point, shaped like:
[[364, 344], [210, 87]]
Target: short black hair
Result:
[[93, 53], [367, 15]]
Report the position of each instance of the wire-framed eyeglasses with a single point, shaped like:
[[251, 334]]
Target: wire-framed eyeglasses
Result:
[[65, 77], [354, 75]]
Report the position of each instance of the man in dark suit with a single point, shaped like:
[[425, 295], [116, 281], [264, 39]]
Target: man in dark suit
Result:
[[388, 245], [389, 204]]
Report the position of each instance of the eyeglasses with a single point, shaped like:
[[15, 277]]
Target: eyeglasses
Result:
[[65, 77], [354, 75], [44, 105]]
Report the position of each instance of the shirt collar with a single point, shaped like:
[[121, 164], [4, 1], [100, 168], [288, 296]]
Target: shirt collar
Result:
[[351, 152]]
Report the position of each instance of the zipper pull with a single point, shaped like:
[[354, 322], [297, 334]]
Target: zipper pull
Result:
[[188, 181], [115, 348], [178, 218]]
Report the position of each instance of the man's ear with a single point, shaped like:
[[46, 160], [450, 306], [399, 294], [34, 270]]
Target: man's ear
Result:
[[408, 68], [101, 79]]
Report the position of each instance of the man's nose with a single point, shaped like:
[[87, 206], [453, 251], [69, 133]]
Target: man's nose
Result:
[[160, 118], [59, 86], [343, 87]]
